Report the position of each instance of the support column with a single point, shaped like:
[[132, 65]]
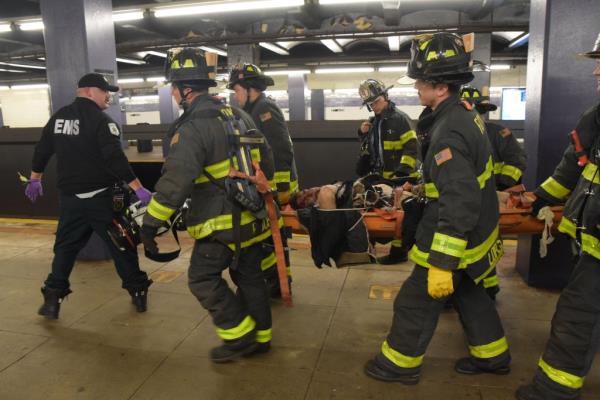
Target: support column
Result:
[[169, 111], [317, 105], [80, 38], [483, 53], [560, 87], [297, 104]]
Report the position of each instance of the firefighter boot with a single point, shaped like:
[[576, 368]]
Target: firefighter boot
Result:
[[273, 284], [396, 255], [139, 296], [52, 300], [377, 371], [467, 366], [234, 349]]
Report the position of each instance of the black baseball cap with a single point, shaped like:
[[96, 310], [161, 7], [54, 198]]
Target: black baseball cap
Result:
[[96, 80]]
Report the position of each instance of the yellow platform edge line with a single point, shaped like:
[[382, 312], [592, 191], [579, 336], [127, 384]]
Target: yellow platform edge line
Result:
[[28, 221]]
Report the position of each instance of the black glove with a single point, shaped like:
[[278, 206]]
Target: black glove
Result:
[[402, 172], [538, 204], [147, 234]]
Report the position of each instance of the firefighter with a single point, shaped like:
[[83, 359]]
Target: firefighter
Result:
[[388, 148], [249, 83], [457, 238], [509, 157], [574, 333], [509, 160], [90, 161], [227, 235]]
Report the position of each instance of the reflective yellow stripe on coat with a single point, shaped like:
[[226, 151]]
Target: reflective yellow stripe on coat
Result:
[[555, 189], [159, 211], [470, 256], [432, 192]]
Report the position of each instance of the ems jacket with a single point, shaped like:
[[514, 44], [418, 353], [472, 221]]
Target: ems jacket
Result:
[[269, 119], [459, 226], [390, 147], [87, 146], [581, 185], [509, 158], [199, 146]]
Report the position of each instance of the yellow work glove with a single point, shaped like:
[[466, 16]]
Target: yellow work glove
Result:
[[439, 282]]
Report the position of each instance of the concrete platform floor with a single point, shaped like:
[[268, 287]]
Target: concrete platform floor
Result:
[[100, 348]]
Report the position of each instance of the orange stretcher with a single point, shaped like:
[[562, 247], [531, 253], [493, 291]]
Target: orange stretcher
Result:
[[383, 224]]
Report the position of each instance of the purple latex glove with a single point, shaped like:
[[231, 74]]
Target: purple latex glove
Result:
[[144, 195], [34, 189]]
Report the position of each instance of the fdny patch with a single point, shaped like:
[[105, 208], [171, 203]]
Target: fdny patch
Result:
[[175, 139], [505, 132], [265, 117], [113, 128], [443, 156]]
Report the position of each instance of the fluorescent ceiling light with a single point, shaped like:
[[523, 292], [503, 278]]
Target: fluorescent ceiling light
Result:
[[397, 68], [11, 70], [33, 25], [32, 86], [519, 41], [4, 28], [155, 79], [135, 99], [130, 80], [23, 65], [333, 2], [274, 48], [287, 72], [394, 43], [332, 45], [343, 70], [223, 7], [130, 61], [4, 88], [143, 54], [214, 50], [130, 15], [496, 67], [277, 93]]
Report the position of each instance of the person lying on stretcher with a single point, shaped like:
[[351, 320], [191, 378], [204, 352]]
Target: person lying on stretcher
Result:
[[341, 235]]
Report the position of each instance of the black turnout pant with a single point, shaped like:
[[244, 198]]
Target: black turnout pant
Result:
[[78, 219], [416, 316], [575, 334], [228, 309]]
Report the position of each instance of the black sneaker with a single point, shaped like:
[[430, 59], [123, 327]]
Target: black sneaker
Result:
[[467, 367], [52, 301], [374, 370]]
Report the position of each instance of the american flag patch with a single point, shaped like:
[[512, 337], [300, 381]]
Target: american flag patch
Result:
[[443, 156]]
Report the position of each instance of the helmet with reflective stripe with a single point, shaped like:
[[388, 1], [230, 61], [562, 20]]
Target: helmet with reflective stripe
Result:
[[595, 52], [187, 64], [440, 58], [249, 75], [371, 89], [474, 96]]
